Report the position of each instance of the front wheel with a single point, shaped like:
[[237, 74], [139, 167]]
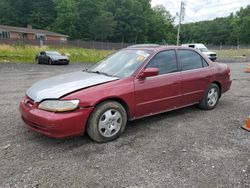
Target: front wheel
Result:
[[211, 97], [37, 61], [50, 62], [107, 122]]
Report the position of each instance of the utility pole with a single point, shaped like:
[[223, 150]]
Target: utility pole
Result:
[[181, 18]]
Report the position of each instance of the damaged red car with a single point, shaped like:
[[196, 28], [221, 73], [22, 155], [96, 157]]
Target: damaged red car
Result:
[[135, 82]]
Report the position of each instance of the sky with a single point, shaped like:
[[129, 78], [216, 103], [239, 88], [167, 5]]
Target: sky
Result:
[[198, 10]]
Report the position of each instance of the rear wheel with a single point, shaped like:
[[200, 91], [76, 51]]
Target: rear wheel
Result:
[[211, 97], [107, 122]]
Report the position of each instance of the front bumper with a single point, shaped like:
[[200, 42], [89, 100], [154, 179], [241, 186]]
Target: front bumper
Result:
[[57, 125], [61, 62], [213, 58]]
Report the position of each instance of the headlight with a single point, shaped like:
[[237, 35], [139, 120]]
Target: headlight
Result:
[[59, 106]]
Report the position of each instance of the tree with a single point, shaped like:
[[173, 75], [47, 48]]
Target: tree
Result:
[[234, 29], [103, 26], [161, 26], [67, 18]]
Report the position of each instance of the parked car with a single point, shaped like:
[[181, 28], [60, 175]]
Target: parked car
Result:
[[202, 48], [133, 83], [51, 57]]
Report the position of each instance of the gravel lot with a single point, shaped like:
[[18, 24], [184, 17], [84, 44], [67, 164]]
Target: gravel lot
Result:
[[184, 148]]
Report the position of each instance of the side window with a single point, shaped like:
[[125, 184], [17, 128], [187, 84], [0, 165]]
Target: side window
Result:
[[165, 61], [189, 60], [205, 64]]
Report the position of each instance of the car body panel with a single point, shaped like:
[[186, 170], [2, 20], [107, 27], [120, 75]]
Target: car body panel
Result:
[[161, 92], [58, 86], [121, 90], [194, 84], [56, 125]]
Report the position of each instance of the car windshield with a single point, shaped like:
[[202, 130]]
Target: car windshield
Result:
[[203, 49], [122, 63], [53, 53]]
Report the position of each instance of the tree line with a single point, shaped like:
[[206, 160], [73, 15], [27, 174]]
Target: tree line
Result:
[[109, 20], [122, 21], [233, 30]]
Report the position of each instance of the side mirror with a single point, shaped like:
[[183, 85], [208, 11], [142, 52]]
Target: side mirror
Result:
[[149, 72]]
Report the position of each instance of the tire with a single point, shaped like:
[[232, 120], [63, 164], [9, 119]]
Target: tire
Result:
[[50, 61], [210, 98], [107, 122], [37, 61]]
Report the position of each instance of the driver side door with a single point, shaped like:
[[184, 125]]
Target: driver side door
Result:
[[162, 92]]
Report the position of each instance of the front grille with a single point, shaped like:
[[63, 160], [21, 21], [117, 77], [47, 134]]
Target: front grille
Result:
[[63, 60], [212, 55]]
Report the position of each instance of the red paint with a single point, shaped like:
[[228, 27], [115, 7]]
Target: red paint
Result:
[[142, 97]]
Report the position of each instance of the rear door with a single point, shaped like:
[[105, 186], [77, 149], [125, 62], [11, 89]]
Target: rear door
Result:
[[195, 76], [162, 92]]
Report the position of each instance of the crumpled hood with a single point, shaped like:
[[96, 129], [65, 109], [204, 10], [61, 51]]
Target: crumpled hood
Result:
[[58, 86]]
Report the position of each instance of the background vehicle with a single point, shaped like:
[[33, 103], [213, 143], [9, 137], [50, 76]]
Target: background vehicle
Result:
[[202, 48], [51, 57], [135, 82]]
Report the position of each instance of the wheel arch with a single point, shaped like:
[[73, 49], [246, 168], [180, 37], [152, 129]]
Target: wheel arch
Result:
[[119, 100], [219, 85]]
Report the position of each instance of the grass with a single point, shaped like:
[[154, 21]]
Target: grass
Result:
[[27, 53], [232, 53]]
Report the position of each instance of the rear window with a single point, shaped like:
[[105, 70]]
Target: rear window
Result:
[[189, 60]]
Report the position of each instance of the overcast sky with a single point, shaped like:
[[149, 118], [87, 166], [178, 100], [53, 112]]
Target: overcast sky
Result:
[[198, 10]]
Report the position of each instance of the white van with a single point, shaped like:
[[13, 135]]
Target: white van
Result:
[[202, 48]]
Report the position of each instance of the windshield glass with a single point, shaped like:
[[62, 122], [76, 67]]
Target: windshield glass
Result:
[[53, 53], [122, 63], [203, 49]]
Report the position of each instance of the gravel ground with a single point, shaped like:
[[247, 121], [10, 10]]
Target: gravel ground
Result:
[[184, 148]]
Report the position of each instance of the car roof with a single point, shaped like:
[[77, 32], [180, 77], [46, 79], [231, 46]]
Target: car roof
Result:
[[156, 47]]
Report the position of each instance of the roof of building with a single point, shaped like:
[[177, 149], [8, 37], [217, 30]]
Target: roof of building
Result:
[[30, 30]]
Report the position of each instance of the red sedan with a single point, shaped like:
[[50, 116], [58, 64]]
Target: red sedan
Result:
[[135, 82]]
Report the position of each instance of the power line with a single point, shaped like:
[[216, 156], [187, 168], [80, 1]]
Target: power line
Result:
[[191, 18]]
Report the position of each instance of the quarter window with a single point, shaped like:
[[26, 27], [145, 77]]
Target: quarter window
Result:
[[165, 61], [189, 60], [204, 63]]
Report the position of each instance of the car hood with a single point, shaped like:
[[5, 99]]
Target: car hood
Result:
[[58, 86], [208, 53], [56, 57]]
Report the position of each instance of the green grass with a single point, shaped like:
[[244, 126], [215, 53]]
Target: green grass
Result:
[[27, 53], [232, 53]]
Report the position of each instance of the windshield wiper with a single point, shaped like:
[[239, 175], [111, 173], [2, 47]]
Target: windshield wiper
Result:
[[98, 72]]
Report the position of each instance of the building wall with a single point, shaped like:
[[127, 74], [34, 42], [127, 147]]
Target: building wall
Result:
[[14, 35], [30, 36], [52, 38]]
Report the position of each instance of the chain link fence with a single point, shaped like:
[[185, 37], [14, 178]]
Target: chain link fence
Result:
[[69, 43]]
